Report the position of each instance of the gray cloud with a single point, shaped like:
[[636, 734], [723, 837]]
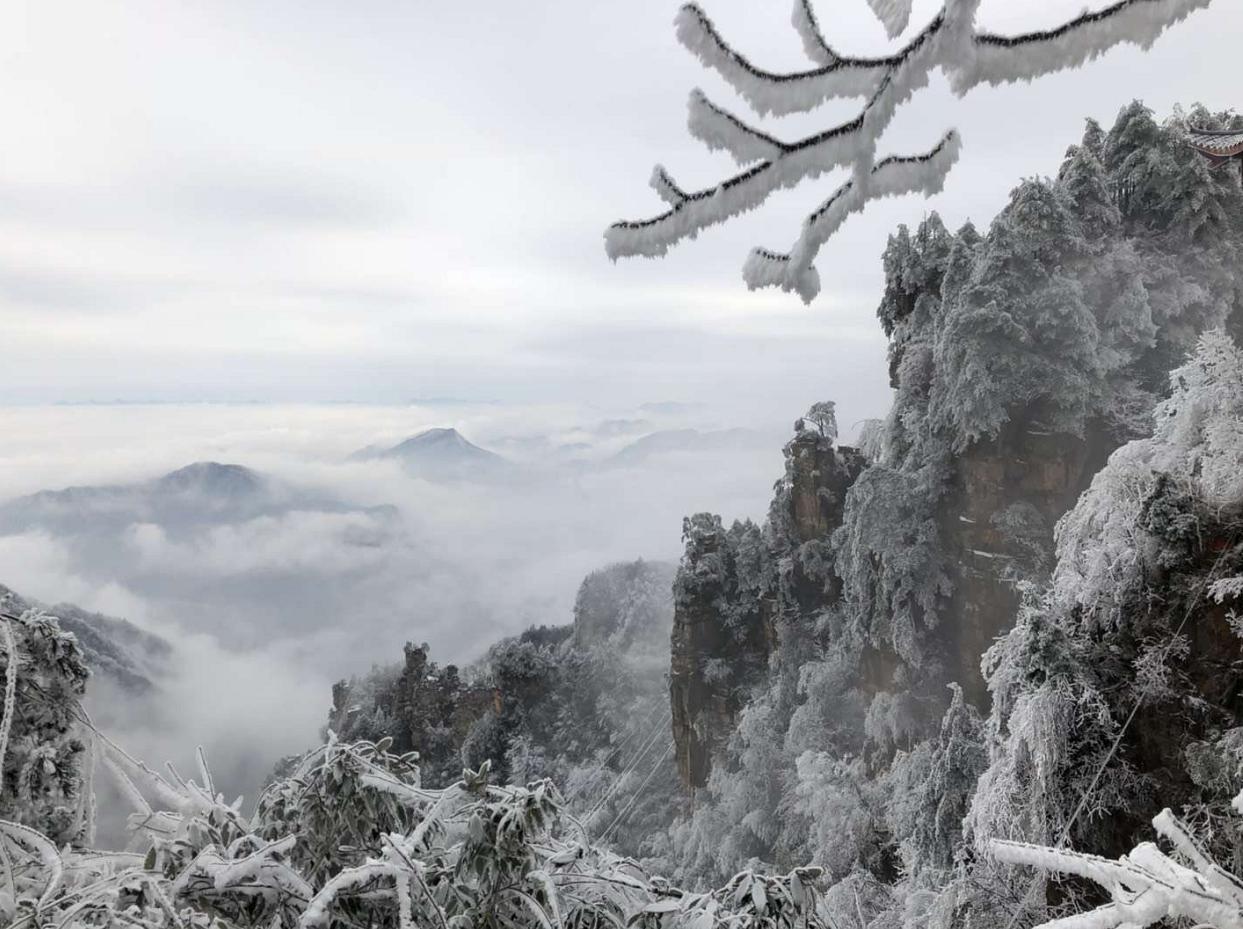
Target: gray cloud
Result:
[[274, 198], [411, 181]]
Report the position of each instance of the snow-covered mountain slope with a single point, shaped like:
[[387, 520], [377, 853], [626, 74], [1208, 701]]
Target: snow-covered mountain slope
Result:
[[114, 649]]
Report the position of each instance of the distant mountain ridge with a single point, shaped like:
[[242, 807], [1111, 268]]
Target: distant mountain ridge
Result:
[[114, 648], [672, 441], [441, 454], [204, 543], [205, 492]]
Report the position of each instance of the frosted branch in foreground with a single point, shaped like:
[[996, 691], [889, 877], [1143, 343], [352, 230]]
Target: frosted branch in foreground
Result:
[[893, 177], [1146, 886], [950, 43]]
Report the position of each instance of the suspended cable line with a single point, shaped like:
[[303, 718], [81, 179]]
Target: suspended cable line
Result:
[[638, 759], [638, 793], [617, 749], [1117, 742]]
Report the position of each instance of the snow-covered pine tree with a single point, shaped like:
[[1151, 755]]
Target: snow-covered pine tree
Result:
[[822, 417], [950, 42]]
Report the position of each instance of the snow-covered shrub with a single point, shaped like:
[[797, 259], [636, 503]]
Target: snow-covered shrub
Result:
[[1107, 693], [346, 838], [43, 759]]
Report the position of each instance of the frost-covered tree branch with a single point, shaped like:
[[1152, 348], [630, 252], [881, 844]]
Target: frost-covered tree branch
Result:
[[950, 43], [1146, 886]]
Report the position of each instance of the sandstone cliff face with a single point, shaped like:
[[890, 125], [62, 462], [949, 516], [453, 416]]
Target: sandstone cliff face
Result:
[[1005, 496], [807, 507], [713, 649], [736, 585]]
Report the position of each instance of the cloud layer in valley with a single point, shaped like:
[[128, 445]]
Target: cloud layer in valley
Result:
[[307, 563]]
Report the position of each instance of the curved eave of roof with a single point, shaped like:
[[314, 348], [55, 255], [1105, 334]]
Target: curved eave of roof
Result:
[[1222, 144]]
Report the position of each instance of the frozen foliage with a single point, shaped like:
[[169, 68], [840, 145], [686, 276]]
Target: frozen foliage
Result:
[[43, 758], [1108, 691], [1060, 321], [1145, 498], [1147, 886], [949, 42], [347, 838], [1062, 318], [572, 703]]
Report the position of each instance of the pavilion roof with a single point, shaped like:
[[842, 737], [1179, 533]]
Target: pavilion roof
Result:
[[1217, 143]]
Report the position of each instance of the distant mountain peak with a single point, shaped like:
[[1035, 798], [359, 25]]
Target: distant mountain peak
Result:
[[671, 441], [441, 453], [439, 437], [213, 478]]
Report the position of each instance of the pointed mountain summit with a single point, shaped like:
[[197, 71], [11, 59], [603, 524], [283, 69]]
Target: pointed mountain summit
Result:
[[441, 455]]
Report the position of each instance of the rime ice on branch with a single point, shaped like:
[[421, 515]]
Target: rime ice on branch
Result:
[[949, 42], [1147, 886]]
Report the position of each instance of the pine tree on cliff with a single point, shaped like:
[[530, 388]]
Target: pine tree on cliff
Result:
[[1019, 330], [1086, 185]]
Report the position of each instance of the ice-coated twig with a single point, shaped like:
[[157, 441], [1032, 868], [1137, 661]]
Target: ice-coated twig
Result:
[[892, 177], [894, 14], [949, 43], [45, 849], [10, 692], [1147, 886]]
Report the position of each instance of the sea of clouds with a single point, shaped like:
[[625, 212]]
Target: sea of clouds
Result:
[[266, 613]]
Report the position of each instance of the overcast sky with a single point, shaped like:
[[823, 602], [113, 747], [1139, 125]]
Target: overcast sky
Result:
[[376, 201]]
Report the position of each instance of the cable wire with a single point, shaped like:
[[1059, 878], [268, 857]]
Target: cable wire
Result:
[[638, 759], [638, 793], [1117, 742]]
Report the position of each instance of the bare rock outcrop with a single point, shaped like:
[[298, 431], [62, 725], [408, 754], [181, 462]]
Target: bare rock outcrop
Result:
[[736, 585]]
